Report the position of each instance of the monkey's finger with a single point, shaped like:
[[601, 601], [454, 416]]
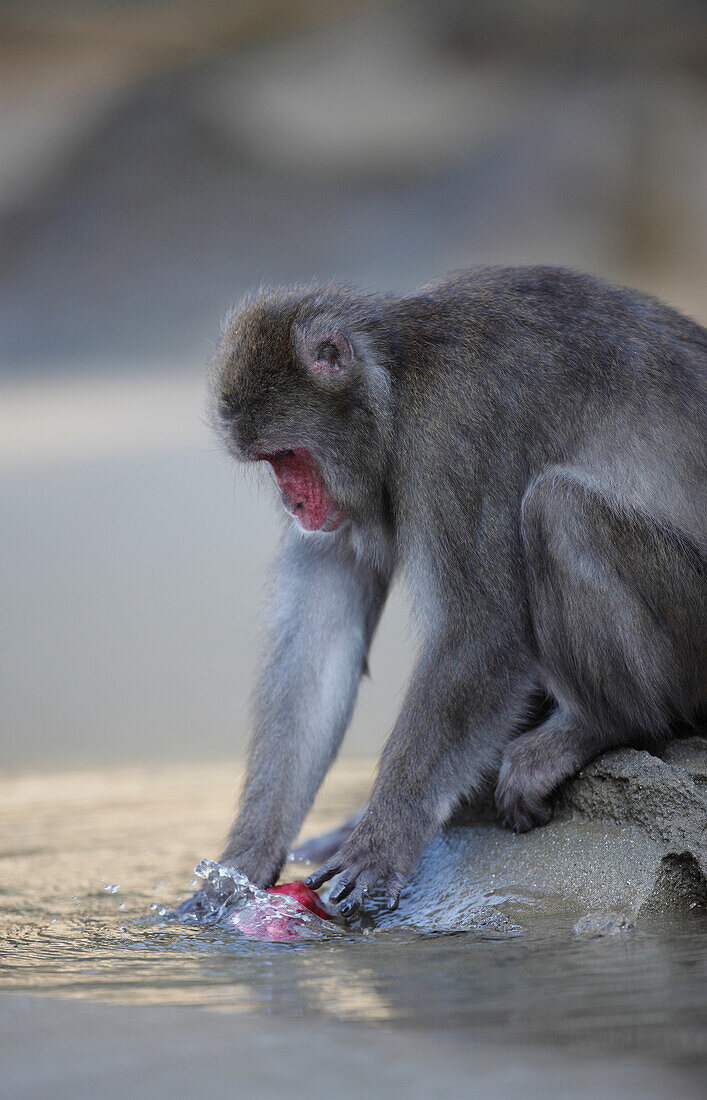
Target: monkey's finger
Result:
[[365, 882], [318, 878], [355, 900], [343, 889], [352, 904], [393, 889]]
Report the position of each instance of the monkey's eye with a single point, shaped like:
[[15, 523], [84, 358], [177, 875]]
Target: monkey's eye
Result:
[[332, 355]]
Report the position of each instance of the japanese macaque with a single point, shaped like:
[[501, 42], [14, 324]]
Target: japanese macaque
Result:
[[528, 446]]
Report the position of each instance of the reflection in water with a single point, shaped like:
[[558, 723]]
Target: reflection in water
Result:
[[67, 841]]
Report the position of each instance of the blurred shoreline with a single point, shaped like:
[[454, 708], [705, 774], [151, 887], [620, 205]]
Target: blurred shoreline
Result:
[[46, 422]]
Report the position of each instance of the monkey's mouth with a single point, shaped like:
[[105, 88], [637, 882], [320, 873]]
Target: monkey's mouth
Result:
[[302, 488]]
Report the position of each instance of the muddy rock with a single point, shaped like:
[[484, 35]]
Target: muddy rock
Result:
[[628, 843]]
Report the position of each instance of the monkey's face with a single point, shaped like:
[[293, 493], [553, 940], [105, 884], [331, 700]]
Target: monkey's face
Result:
[[303, 490], [290, 389]]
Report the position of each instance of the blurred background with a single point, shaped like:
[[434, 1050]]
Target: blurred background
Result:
[[159, 159]]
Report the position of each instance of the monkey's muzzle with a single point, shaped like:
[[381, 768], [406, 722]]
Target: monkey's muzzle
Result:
[[303, 491]]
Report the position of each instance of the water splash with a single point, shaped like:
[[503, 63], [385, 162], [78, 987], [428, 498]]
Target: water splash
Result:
[[228, 899]]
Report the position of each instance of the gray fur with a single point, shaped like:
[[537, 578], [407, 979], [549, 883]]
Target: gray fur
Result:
[[325, 607], [528, 447]]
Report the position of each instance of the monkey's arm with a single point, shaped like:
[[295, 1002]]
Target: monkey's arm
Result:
[[460, 710], [325, 609]]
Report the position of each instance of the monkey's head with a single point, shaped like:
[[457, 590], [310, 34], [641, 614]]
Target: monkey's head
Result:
[[296, 383]]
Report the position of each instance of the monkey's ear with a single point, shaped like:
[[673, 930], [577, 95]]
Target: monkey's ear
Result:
[[331, 354]]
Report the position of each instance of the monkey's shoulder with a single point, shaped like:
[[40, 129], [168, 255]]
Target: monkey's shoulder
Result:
[[573, 306], [539, 334]]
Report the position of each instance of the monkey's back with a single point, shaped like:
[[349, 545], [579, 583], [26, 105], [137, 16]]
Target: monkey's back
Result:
[[508, 371]]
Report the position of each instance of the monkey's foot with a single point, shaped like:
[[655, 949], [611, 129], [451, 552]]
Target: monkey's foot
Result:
[[362, 863], [319, 848], [522, 801]]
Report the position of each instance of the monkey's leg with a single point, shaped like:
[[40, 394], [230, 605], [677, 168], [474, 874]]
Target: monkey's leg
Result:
[[619, 612], [464, 702], [538, 762]]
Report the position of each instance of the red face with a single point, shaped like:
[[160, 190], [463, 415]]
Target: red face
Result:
[[303, 491]]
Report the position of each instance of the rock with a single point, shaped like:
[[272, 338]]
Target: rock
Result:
[[628, 842]]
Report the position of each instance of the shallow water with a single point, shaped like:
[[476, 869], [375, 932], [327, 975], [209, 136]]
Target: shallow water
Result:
[[91, 859]]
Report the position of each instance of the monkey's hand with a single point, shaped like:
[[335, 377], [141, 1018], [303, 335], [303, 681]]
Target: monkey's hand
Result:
[[260, 866], [206, 904], [202, 907], [375, 854]]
